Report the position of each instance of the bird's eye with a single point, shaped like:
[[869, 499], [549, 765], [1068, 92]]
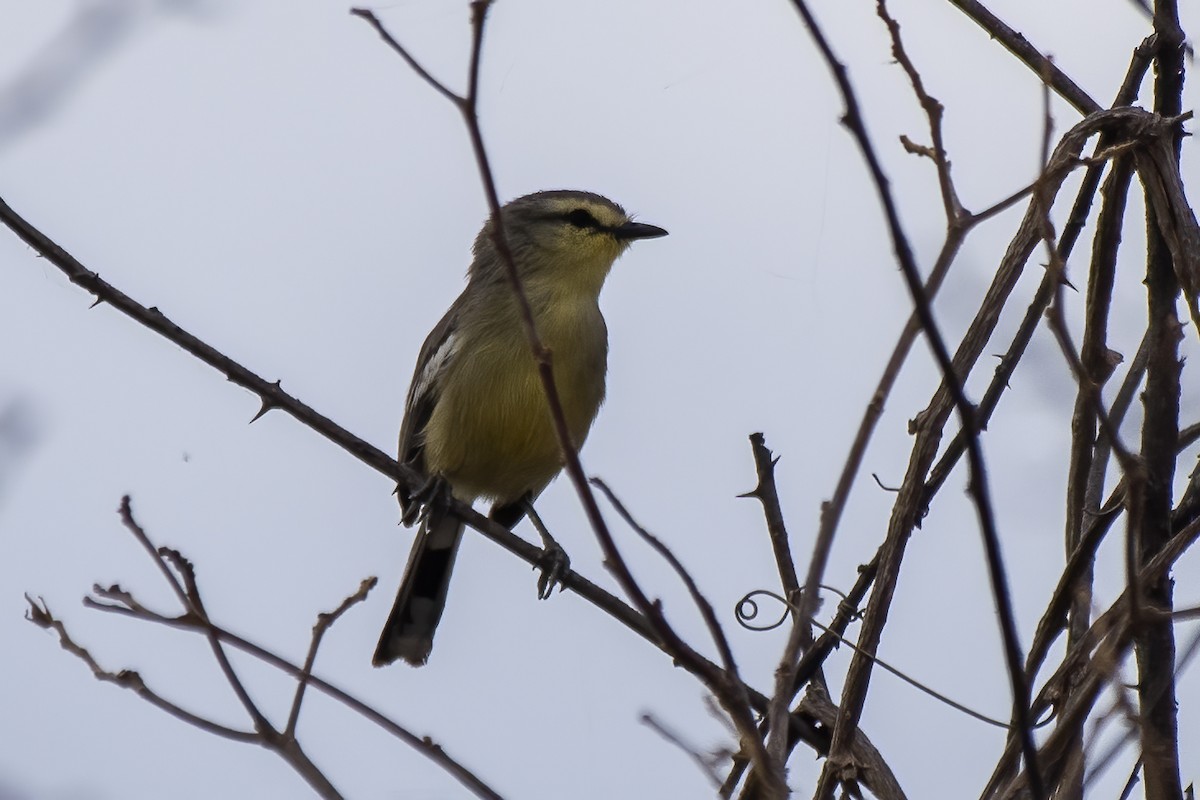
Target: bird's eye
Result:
[[582, 219]]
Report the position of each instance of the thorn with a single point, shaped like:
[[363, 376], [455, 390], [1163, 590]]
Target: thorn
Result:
[[883, 486], [97, 302], [267, 405]]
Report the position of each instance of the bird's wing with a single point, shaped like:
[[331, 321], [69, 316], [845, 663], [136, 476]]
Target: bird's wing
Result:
[[436, 353]]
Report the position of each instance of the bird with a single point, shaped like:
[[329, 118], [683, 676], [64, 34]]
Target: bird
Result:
[[476, 422]]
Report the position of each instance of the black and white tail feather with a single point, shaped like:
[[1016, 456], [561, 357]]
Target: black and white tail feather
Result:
[[408, 634]]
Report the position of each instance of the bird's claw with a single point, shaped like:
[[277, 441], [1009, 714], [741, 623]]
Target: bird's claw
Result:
[[554, 564], [431, 499]]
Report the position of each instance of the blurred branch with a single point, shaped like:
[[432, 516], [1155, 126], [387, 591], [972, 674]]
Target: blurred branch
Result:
[[91, 34], [324, 622], [285, 746], [1020, 47], [933, 113], [1054, 618], [707, 764], [39, 614], [20, 430], [273, 396], [180, 576], [744, 618], [862, 754], [1074, 226], [468, 106], [768, 494], [855, 691], [802, 603], [725, 683], [1172, 265], [1087, 668]]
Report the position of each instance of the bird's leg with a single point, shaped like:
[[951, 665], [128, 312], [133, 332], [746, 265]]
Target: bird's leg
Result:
[[430, 499], [554, 562]]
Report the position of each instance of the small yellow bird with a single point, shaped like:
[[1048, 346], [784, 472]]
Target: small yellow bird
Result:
[[476, 420]]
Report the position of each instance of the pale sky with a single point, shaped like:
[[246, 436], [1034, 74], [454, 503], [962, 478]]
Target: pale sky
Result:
[[275, 180]]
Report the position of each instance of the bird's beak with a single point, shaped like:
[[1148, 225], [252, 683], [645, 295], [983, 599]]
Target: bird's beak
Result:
[[637, 230]]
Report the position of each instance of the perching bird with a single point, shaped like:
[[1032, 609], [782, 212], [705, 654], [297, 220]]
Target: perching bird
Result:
[[477, 422]]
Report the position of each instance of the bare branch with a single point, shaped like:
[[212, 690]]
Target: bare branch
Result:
[[767, 494], [324, 623], [39, 614], [283, 743], [977, 486], [1020, 47], [707, 764], [725, 684]]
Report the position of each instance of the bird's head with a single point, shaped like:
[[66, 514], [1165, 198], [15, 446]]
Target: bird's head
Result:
[[570, 236]]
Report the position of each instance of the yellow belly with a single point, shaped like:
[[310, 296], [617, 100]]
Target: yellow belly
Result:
[[491, 434]]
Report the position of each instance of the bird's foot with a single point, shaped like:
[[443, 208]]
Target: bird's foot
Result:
[[431, 499], [553, 562]]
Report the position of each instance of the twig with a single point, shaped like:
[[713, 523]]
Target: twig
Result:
[[803, 603], [705, 763], [1170, 266], [958, 223], [879, 662], [1189, 653], [324, 621], [118, 601], [189, 597], [813, 659], [1020, 47], [872, 770], [1112, 631], [767, 494], [273, 396], [39, 614], [847, 722], [424, 744], [1092, 367], [933, 112], [467, 106], [725, 684]]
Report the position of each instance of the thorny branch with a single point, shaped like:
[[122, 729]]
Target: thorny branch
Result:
[[1132, 142], [180, 576], [727, 686], [855, 692]]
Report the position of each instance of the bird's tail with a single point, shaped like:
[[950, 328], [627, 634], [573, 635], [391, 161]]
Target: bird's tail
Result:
[[409, 631]]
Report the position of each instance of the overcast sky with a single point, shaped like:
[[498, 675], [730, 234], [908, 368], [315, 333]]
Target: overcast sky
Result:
[[275, 180]]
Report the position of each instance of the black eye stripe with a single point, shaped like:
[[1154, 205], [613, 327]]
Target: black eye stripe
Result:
[[581, 218]]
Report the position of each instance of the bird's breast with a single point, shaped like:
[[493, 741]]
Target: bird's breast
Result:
[[491, 433], [578, 341]]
